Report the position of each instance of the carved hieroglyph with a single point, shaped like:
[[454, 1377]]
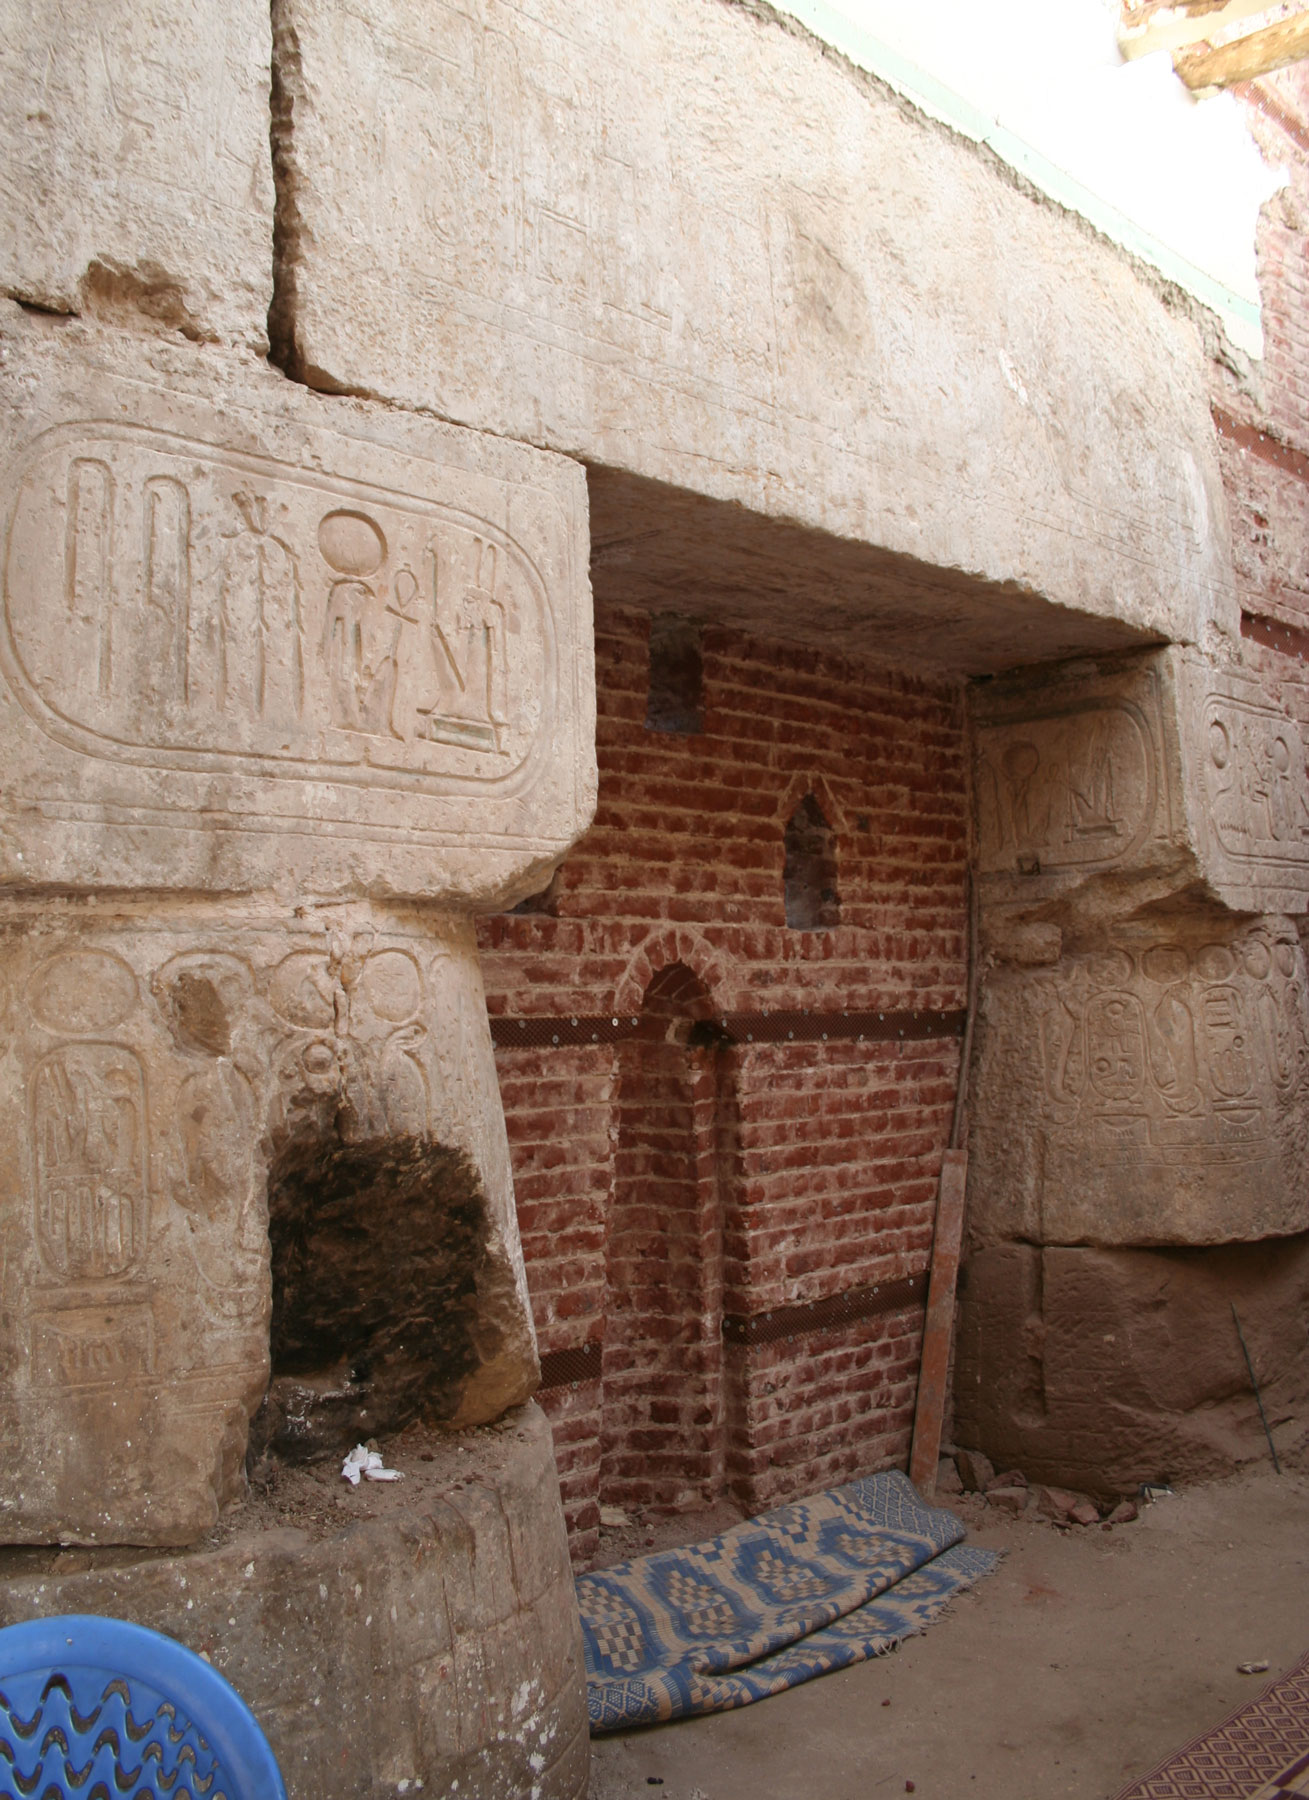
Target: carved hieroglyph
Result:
[[1247, 795], [1155, 1091], [1074, 790], [1144, 1055], [134, 141], [152, 1066], [1160, 768], [252, 641]]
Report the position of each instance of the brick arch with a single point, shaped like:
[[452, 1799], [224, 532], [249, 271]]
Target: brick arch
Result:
[[811, 782], [662, 1428], [678, 944]]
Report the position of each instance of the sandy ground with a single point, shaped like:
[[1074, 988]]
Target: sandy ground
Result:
[[1089, 1655]]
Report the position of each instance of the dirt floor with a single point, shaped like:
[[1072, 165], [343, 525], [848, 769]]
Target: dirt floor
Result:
[[1090, 1654]]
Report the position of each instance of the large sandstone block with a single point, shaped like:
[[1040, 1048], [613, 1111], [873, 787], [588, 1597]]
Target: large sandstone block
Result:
[[683, 242], [256, 639], [170, 1073], [421, 1637], [136, 170], [1100, 1369], [1152, 1091], [1143, 1064], [1162, 770]]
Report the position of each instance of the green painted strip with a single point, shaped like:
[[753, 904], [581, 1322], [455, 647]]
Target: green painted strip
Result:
[[961, 115], [880, 59]]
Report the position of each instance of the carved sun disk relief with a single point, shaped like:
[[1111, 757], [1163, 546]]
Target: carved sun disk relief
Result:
[[1214, 962], [351, 542], [1110, 968], [1258, 960], [202, 994], [1165, 964], [82, 992], [392, 986], [302, 990]]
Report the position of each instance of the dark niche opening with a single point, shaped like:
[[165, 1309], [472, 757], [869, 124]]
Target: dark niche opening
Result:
[[376, 1251], [809, 872], [675, 701]]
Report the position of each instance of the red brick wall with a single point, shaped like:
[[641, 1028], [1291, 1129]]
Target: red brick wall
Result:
[[804, 1169], [559, 1106], [1264, 420], [1277, 109], [662, 1441]]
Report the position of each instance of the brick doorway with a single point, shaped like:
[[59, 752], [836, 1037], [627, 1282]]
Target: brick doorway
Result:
[[662, 1431]]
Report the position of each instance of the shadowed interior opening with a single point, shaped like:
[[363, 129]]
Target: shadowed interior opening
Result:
[[376, 1251], [809, 875], [675, 702]]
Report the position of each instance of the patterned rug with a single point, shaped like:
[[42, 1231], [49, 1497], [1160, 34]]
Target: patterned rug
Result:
[[1260, 1752], [795, 1593]]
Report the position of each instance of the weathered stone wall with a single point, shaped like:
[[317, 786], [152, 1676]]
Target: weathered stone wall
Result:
[[1159, 1039], [390, 1639], [290, 686], [137, 186], [1098, 1369], [293, 682], [260, 640], [250, 648], [1142, 1061], [157, 1059], [690, 246]]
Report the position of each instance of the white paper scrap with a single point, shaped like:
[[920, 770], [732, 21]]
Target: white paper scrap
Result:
[[365, 1462]]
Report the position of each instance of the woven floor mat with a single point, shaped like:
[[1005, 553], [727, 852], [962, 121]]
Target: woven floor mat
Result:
[[795, 1593], [1259, 1752]]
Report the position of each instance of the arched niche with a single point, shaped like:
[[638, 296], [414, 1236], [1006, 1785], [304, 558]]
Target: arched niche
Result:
[[809, 876]]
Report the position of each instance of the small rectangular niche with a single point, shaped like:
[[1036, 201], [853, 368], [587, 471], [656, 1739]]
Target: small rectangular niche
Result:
[[676, 698]]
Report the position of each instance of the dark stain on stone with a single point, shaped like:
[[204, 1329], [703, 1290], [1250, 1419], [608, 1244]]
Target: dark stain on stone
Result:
[[376, 1249], [199, 1017]]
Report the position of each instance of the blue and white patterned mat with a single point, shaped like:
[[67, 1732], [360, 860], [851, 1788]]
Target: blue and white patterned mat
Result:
[[792, 1594]]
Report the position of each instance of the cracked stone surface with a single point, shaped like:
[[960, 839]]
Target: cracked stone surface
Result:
[[138, 183], [415, 1636], [688, 247]]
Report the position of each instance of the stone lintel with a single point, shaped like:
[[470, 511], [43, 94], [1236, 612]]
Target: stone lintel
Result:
[[696, 250], [138, 184]]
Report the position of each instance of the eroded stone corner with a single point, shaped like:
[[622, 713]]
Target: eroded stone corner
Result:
[[178, 1086], [1141, 1074]]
